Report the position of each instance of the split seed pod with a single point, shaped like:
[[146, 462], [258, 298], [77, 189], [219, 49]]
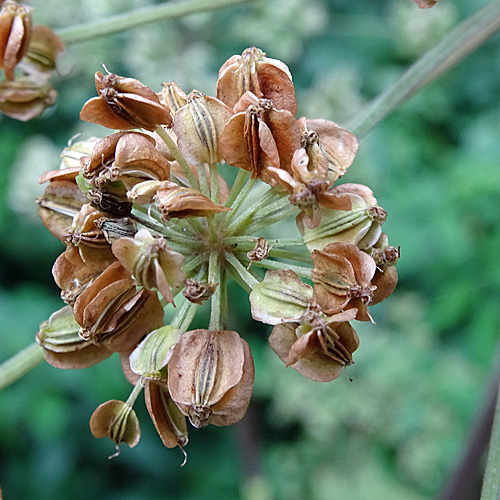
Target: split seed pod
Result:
[[210, 376], [15, 33], [198, 126], [124, 104]]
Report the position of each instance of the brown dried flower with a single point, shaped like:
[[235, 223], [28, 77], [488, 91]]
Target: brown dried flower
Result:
[[210, 377], [124, 104], [15, 33]]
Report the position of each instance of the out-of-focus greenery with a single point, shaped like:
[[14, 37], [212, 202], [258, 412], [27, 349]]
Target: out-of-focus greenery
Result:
[[396, 430]]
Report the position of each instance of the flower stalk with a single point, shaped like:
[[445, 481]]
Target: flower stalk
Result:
[[460, 42], [20, 364], [140, 17]]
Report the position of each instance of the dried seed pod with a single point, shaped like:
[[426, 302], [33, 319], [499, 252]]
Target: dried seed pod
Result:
[[360, 225], [198, 126], [210, 376], [44, 48], [179, 202], [318, 346], [124, 104], [117, 421], [253, 71], [343, 275], [59, 204], [172, 96], [126, 156], [324, 137], [111, 311], [198, 291], [63, 347], [259, 136], [166, 416], [152, 263], [25, 98], [15, 33]]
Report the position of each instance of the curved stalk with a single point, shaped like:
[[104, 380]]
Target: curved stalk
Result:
[[461, 41], [140, 17]]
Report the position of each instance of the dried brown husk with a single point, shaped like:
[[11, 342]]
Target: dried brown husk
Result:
[[124, 104], [342, 276], [151, 262], [26, 98], [172, 96], [117, 421], [59, 204], [111, 311], [265, 77], [179, 202], [166, 416], [86, 239], [319, 354], [63, 348], [210, 376], [338, 144], [15, 33], [198, 126], [126, 156], [43, 50], [259, 136]]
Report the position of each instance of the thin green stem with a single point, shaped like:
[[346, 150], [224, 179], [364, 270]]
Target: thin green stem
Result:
[[250, 214], [203, 180], [240, 269], [303, 272], [20, 364], [214, 276], [286, 254], [457, 44], [281, 210], [140, 17], [214, 183], [183, 317], [238, 184], [238, 202], [178, 157], [192, 262], [138, 387]]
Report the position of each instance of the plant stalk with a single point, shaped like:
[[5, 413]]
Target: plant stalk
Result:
[[460, 42], [140, 17], [20, 364]]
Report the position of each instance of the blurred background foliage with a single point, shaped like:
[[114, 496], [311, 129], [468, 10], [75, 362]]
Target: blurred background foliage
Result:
[[394, 432]]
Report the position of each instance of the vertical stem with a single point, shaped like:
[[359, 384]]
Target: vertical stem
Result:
[[238, 184], [214, 276], [214, 183], [202, 179], [178, 157]]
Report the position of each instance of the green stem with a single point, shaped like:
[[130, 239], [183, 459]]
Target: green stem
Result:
[[286, 254], [457, 44], [140, 17], [303, 272], [267, 202], [184, 315], [178, 157], [281, 209], [214, 276], [237, 186], [20, 364], [247, 278], [203, 180], [214, 183]]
